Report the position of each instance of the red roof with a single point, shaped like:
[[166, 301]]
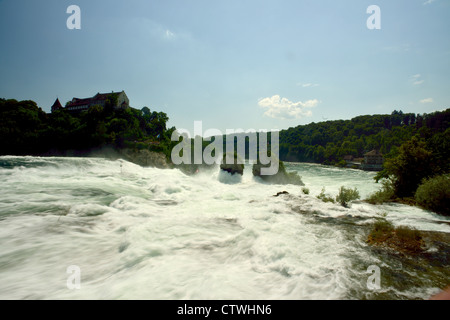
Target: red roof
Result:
[[80, 102], [87, 101]]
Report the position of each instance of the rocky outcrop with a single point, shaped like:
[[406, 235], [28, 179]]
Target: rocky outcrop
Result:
[[281, 177], [145, 158], [233, 168]]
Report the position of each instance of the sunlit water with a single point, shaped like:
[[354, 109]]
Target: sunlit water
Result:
[[145, 233]]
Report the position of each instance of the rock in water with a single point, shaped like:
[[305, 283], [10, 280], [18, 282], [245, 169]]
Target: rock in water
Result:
[[281, 177], [145, 158], [280, 193], [232, 168]]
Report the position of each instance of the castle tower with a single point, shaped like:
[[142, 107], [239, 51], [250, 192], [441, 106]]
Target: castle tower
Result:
[[57, 106]]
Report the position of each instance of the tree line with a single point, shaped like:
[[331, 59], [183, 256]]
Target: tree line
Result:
[[328, 142], [26, 129]]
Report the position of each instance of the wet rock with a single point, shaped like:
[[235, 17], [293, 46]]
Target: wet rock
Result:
[[233, 168], [281, 177], [145, 158]]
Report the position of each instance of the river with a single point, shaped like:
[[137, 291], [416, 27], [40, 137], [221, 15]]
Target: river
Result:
[[144, 233]]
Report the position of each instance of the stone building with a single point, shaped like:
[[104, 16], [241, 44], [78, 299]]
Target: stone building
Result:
[[373, 161], [119, 100]]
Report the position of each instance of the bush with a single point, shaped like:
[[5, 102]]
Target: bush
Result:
[[434, 194], [305, 190], [324, 197], [341, 164], [407, 234], [381, 231], [408, 239], [412, 164], [385, 194], [404, 239], [345, 196]]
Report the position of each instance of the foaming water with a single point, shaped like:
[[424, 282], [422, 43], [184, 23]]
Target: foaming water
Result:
[[145, 233]]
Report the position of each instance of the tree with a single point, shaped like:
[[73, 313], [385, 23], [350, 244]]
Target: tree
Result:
[[146, 112], [345, 196], [21, 125], [157, 123], [111, 102], [434, 194], [408, 168]]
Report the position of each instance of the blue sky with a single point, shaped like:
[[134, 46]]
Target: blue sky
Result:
[[232, 64]]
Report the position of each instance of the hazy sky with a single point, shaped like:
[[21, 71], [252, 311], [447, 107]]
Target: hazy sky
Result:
[[232, 64]]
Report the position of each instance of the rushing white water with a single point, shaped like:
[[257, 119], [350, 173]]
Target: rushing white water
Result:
[[145, 233]]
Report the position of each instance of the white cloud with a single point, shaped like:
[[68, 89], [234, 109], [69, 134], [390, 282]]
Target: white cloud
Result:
[[428, 2], [169, 34], [308, 85], [282, 108], [416, 79], [428, 100], [157, 31]]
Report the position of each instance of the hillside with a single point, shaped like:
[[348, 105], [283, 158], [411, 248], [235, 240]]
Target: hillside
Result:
[[328, 142]]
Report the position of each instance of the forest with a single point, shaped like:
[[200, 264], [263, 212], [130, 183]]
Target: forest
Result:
[[26, 129], [328, 142]]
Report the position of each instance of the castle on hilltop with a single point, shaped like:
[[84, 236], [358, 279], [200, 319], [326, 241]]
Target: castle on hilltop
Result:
[[119, 100]]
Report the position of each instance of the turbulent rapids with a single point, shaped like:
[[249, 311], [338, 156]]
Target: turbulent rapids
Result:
[[145, 233]]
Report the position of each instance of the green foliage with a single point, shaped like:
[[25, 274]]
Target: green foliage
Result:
[[434, 194], [423, 156], [345, 196], [305, 190], [439, 145], [409, 167], [26, 129], [385, 194], [22, 124], [407, 234], [381, 230], [328, 142], [324, 197], [404, 239], [341, 164]]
